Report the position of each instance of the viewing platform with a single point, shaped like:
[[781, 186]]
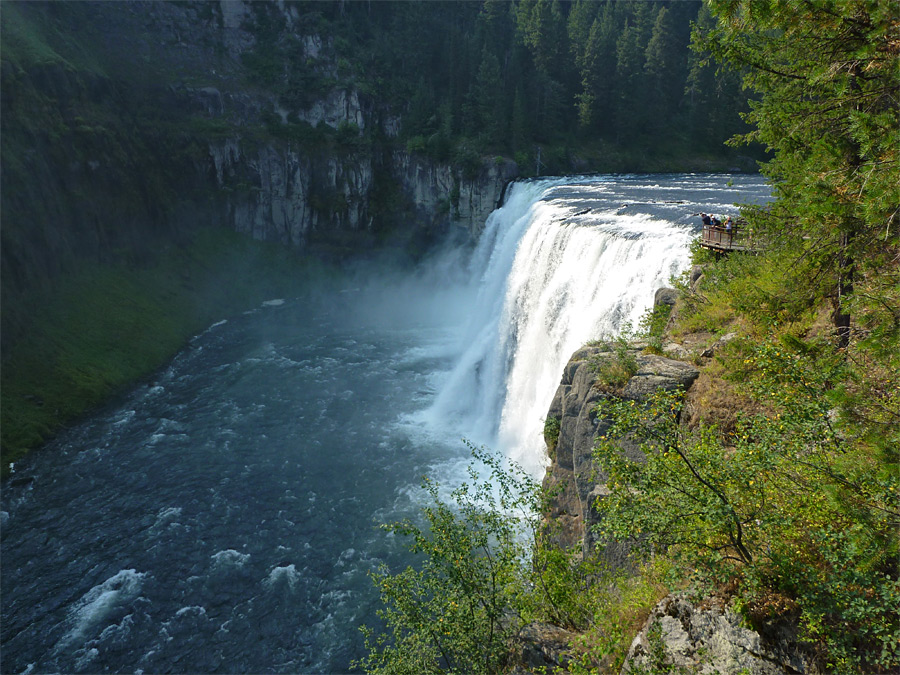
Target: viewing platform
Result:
[[720, 240]]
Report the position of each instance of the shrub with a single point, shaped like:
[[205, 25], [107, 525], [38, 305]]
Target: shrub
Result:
[[551, 433], [454, 612], [618, 363], [652, 327], [785, 506], [485, 569]]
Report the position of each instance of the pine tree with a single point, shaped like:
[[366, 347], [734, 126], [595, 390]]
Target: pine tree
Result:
[[827, 75], [598, 71], [662, 71], [484, 105], [631, 45]]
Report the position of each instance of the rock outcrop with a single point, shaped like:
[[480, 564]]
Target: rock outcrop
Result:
[[539, 648], [572, 471], [681, 637], [180, 128]]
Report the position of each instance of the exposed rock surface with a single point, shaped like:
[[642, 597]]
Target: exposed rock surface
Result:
[[572, 470], [278, 191], [436, 188], [665, 296], [680, 637]]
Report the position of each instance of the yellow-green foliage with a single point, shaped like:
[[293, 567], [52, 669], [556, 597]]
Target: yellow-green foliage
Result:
[[746, 292], [486, 569], [458, 608], [789, 509], [620, 605], [551, 434]]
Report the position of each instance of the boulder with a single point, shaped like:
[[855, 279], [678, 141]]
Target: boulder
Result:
[[541, 647], [696, 275], [682, 637], [665, 296]]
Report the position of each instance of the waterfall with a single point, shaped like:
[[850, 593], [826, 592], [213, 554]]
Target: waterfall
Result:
[[562, 262]]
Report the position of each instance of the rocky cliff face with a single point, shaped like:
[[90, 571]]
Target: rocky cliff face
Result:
[[572, 471], [325, 153], [682, 637], [128, 124], [277, 193], [439, 188]]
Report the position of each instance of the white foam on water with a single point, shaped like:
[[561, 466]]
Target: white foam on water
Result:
[[165, 518], [229, 558], [281, 576], [98, 605], [124, 417], [86, 657]]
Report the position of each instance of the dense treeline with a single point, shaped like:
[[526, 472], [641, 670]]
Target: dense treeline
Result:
[[503, 77]]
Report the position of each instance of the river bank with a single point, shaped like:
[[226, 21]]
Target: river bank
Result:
[[99, 329]]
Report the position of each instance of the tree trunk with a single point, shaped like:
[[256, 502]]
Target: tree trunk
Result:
[[841, 316]]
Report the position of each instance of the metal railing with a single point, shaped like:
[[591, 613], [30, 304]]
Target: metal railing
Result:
[[720, 239]]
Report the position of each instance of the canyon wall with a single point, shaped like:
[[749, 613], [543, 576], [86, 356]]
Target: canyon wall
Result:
[[125, 126]]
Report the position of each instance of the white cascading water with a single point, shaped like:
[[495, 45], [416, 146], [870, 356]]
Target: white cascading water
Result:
[[553, 276]]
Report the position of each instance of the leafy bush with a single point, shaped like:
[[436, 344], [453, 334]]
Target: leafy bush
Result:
[[455, 612], [415, 144], [618, 363], [551, 433], [786, 509], [620, 603], [486, 570], [652, 327]]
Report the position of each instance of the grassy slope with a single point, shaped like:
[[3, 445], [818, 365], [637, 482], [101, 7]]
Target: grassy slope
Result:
[[101, 328]]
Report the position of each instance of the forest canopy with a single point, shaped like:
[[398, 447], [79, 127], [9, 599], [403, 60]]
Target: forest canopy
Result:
[[501, 77]]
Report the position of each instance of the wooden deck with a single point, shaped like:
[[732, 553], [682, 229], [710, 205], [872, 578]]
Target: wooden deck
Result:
[[718, 240]]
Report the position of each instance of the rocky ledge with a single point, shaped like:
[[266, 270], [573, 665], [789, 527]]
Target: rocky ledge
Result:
[[572, 472], [681, 637]]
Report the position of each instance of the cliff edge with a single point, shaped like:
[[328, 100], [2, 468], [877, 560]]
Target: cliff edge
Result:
[[594, 373]]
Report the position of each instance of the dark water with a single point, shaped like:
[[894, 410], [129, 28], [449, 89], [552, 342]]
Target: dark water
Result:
[[222, 517]]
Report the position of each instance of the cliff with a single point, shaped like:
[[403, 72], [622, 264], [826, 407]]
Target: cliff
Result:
[[572, 473], [125, 126], [682, 633]]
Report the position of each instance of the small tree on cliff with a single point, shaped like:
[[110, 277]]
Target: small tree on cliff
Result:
[[482, 573]]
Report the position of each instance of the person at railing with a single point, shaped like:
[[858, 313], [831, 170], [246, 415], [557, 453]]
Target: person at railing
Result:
[[706, 219], [716, 223], [729, 225]]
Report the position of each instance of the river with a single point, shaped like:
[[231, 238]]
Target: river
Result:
[[222, 517]]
